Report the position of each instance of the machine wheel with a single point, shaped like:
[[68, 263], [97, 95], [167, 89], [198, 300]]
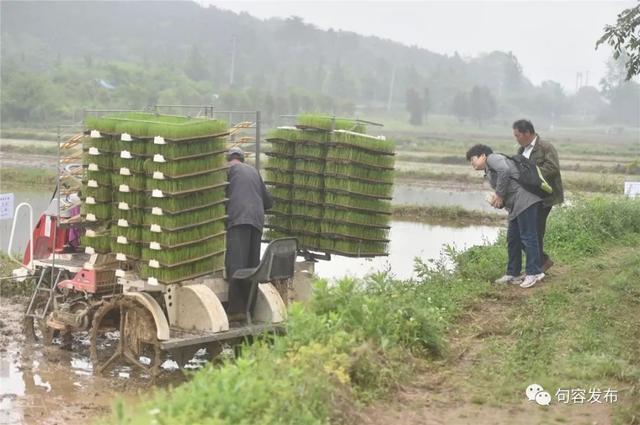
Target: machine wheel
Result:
[[36, 330], [124, 330]]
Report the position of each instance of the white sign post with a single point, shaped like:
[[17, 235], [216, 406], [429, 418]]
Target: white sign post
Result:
[[6, 206], [632, 189]]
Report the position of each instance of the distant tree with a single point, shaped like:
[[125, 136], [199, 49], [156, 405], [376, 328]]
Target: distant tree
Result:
[[512, 73], [482, 104], [460, 106], [196, 65], [426, 102], [624, 37], [414, 106]]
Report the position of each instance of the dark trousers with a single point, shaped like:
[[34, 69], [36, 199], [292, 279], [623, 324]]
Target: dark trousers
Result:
[[243, 251], [522, 234], [543, 213]]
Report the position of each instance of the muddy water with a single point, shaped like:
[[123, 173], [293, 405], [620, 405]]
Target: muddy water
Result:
[[50, 385], [443, 196], [39, 201], [409, 241]]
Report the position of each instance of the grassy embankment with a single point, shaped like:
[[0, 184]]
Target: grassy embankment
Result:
[[358, 339]]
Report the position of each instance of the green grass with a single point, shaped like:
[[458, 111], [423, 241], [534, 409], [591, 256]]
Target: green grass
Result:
[[29, 149], [451, 216], [21, 177], [356, 339]]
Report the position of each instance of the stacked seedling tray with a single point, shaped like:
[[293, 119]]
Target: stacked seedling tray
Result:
[[332, 186], [97, 192], [169, 211]]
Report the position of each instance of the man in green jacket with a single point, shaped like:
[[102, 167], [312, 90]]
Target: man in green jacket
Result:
[[546, 157]]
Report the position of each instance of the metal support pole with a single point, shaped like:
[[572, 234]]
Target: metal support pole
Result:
[[258, 136]]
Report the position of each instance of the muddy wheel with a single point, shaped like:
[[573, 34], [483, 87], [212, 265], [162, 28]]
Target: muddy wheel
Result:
[[123, 331], [35, 329]]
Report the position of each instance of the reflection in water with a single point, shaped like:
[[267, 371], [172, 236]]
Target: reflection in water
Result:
[[408, 241], [430, 196], [39, 202]]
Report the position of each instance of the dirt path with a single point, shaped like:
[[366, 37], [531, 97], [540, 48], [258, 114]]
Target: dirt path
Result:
[[443, 394]]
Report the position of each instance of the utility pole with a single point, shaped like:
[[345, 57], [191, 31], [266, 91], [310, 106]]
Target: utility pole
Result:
[[233, 59], [391, 83]]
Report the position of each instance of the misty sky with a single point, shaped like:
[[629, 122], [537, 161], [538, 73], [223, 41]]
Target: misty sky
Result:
[[553, 40]]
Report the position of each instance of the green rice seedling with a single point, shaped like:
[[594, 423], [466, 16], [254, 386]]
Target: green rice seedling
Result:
[[315, 167], [135, 146], [135, 181], [311, 151], [308, 180], [309, 242], [177, 185], [355, 231], [172, 221], [134, 216], [135, 199], [280, 207], [131, 250], [100, 194], [330, 123], [378, 145], [378, 190], [103, 177], [177, 203], [326, 244], [102, 211], [305, 225], [149, 125], [105, 144], [184, 167], [286, 134], [132, 233], [306, 210], [278, 177], [271, 234], [102, 161], [283, 164], [313, 196], [100, 243], [173, 150], [174, 256], [360, 157], [281, 193], [357, 203], [357, 171], [183, 271], [281, 148], [356, 217], [360, 248], [280, 223], [172, 238], [134, 164]]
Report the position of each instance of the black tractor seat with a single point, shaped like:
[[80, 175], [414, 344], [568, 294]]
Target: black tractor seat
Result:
[[277, 263]]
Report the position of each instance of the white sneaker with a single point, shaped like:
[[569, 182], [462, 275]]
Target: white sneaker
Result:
[[531, 279], [507, 278]]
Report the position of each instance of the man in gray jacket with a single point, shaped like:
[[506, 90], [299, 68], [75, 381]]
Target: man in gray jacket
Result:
[[546, 158], [248, 199], [522, 206]]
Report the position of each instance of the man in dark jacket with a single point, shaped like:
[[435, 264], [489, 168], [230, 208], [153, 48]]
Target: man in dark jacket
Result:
[[546, 157], [248, 199]]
